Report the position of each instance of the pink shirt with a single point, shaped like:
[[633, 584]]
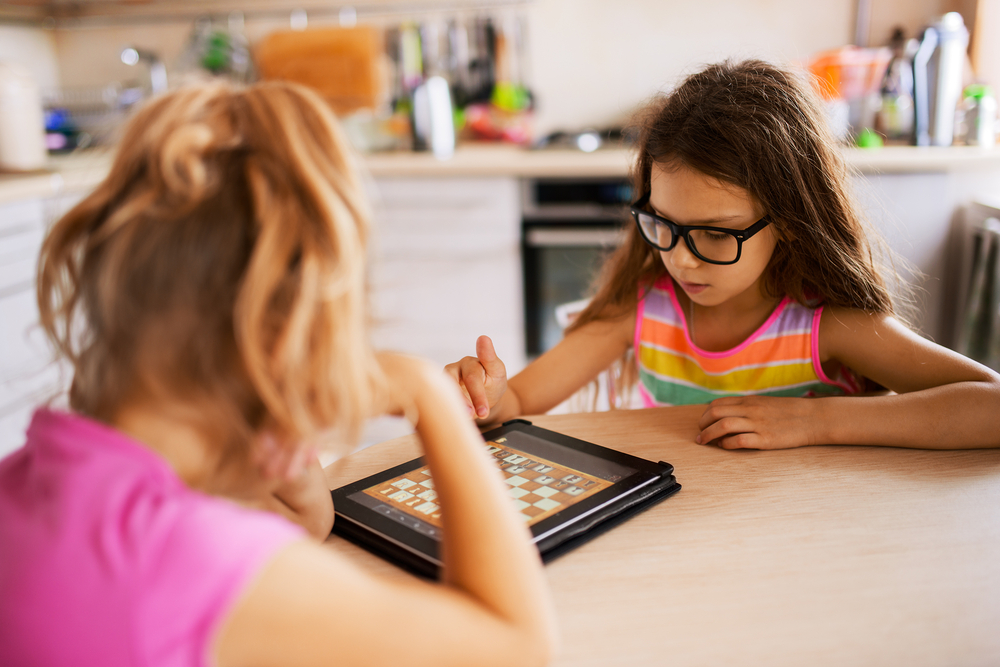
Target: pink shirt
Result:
[[107, 558]]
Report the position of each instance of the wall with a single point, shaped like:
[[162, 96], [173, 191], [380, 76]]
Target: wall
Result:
[[913, 16], [592, 61]]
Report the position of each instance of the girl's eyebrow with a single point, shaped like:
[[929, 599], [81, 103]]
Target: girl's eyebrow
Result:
[[705, 221]]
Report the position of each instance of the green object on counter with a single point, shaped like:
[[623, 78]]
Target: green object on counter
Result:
[[217, 52], [510, 96], [869, 138], [977, 91]]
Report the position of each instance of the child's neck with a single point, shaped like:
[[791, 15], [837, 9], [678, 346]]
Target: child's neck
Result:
[[200, 459], [184, 447], [726, 325]]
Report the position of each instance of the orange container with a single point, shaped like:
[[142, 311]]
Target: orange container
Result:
[[850, 72]]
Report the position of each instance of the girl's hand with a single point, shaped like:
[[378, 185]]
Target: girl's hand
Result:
[[483, 378], [297, 488], [407, 379], [759, 422]]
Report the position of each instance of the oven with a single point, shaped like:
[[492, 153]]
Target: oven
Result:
[[568, 228]]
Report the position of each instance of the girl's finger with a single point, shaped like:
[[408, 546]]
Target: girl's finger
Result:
[[269, 455], [718, 411], [298, 462], [488, 358], [475, 386], [465, 397], [724, 427], [738, 441], [263, 448], [276, 464]]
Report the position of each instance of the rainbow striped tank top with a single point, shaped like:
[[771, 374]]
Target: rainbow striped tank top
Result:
[[781, 358]]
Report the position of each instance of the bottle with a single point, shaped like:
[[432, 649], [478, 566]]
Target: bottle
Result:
[[433, 118], [937, 80], [975, 120], [986, 120], [895, 118]]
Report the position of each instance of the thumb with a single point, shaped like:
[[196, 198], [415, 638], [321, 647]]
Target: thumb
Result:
[[488, 357]]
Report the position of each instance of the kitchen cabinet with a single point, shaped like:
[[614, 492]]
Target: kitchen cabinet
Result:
[[920, 214], [28, 374], [446, 266]]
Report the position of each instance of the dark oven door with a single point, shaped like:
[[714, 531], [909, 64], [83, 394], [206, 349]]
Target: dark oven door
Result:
[[569, 227]]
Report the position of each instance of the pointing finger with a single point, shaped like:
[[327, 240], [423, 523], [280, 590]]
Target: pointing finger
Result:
[[488, 357], [474, 382]]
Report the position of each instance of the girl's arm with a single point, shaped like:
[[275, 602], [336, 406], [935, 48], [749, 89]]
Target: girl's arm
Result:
[[310, 607], [547, 381], [942, 399]]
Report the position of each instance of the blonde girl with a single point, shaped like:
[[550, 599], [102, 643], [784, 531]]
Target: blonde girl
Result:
[[748, 281], [209, 295]]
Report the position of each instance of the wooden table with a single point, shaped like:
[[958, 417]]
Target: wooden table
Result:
[[811, 556]]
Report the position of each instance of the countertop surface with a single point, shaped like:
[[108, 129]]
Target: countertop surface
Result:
[[809, 556], [80, 171]]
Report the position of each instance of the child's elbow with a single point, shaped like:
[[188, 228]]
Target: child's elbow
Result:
[[535, 642], [542, 649], [548, 639]]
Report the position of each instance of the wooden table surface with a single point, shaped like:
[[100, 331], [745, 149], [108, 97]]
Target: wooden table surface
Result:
[[811, 556]]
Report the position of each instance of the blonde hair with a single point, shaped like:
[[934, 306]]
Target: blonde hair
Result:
[[221, 263]]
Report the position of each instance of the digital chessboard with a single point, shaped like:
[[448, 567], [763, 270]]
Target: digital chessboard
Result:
[[538, 488]]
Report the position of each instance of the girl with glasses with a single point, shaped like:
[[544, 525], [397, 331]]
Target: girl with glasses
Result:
[[750, 282], [210, 296]]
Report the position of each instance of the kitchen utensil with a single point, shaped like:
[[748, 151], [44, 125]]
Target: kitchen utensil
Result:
[[894, 119]]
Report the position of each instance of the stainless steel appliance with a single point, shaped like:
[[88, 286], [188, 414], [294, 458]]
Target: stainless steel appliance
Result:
[[569, 226]]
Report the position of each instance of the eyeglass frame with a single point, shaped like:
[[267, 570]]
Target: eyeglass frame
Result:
[[682, 231]]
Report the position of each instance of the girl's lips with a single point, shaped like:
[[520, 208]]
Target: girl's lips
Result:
[[693, 288]]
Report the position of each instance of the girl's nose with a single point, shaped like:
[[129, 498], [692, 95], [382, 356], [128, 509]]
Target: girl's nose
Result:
[[681, 256]]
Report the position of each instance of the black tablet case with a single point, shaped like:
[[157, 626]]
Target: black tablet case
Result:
[[549, 548]]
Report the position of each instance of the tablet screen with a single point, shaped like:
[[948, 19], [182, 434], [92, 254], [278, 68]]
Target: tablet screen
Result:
[[543, 479]]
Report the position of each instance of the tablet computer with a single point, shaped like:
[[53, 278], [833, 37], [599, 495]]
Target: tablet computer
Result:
[[567, 490]]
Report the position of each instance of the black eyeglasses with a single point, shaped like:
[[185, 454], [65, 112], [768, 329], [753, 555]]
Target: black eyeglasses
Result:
[[709, 244]]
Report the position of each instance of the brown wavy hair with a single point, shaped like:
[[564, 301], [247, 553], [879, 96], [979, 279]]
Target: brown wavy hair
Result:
[[759, 127], [219, 266], [762, 128]]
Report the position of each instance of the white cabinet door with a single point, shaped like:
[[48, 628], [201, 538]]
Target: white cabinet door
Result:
[[446, 267], [28, 374]]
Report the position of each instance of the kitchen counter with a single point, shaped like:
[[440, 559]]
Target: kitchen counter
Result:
[[500, 160], [81, 171], [808, 556]]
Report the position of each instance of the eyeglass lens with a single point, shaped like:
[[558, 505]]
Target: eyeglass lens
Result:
[[713, 246]]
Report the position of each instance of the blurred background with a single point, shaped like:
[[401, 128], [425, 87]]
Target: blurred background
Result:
[[493, 138], [582, 63]]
